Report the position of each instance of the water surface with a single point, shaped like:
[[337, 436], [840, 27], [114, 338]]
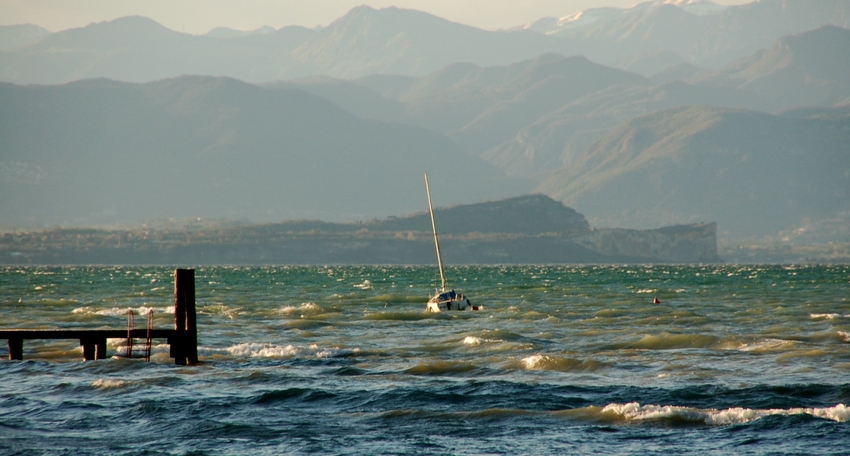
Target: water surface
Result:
[[344, 360]]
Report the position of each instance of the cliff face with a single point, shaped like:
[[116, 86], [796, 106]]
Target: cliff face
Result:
[[675, 244]]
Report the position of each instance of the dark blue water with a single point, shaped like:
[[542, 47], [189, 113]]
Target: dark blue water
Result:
[[343, 360]]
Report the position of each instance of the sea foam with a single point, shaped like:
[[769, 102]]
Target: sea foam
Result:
[[104, 384], [558, 364], [824, 316], [472, 340], [122, 311], [258, 350], [306, 307], [633, 411]]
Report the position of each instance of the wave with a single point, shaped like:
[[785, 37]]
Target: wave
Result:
[[559, 364], [397, 316], [310, 308], [767, 346], [219, 309], [366, 285], [501, 335], [504, 341], [108, 384], [785, 357], [633, 411], [258, 350], [472, 340], [395, 298], [442, 368], [306, 324], [122, 311], [611, 313], [668, 341]]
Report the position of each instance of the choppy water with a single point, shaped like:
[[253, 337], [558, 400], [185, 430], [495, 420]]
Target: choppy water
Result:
[[343, 360]]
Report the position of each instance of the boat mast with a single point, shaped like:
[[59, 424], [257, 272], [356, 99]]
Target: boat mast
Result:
[[436, 241]]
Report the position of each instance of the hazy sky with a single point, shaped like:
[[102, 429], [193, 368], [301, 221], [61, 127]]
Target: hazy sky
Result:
[[199, 16]]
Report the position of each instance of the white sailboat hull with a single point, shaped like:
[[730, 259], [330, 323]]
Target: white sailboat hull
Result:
[[448, 301]]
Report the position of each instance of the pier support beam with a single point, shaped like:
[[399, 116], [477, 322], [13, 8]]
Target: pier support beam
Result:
[[88, 349], [93, 348], [16, 349], [100, 349], [184, 349]]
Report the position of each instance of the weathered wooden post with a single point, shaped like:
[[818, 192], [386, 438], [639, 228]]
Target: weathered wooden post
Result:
[[191, 339], [100, 348], [184, 347], [16, 349], [176, 345], [88, 349], [93, 348]]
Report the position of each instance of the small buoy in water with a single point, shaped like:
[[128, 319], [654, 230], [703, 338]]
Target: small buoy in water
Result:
[[656, 301]]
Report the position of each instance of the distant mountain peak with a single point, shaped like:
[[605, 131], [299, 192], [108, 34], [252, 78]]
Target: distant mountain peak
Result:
[[106, 34], [807, 69], [697, 7], [14, 37], [226, 32], [129, 22], [553, 26], [366, 12]]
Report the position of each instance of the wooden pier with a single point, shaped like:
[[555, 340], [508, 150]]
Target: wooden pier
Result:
[[182, 340]]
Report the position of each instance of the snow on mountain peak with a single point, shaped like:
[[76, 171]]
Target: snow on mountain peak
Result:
[[552, 26]]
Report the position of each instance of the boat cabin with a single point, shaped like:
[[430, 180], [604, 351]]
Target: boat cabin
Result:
[[448, 300]]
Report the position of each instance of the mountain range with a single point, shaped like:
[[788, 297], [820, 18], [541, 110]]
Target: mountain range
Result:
[[664, 113], [100, 151], [752, 173], [535, 114], [392, 41], [700, 33]]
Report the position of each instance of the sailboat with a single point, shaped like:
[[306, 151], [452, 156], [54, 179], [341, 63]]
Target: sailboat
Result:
[[444, 299]]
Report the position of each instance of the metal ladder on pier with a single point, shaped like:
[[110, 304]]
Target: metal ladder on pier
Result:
[[142, 352]]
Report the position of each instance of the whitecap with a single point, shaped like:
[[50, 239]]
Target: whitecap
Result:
[[472, 340], [633, 411], [636, 412], [824, 316], [141, 311], [765, 345], [737, 415], [304, 307], [333, 352], [257, 350], [366, 285], [101, 383], [534, 361]]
